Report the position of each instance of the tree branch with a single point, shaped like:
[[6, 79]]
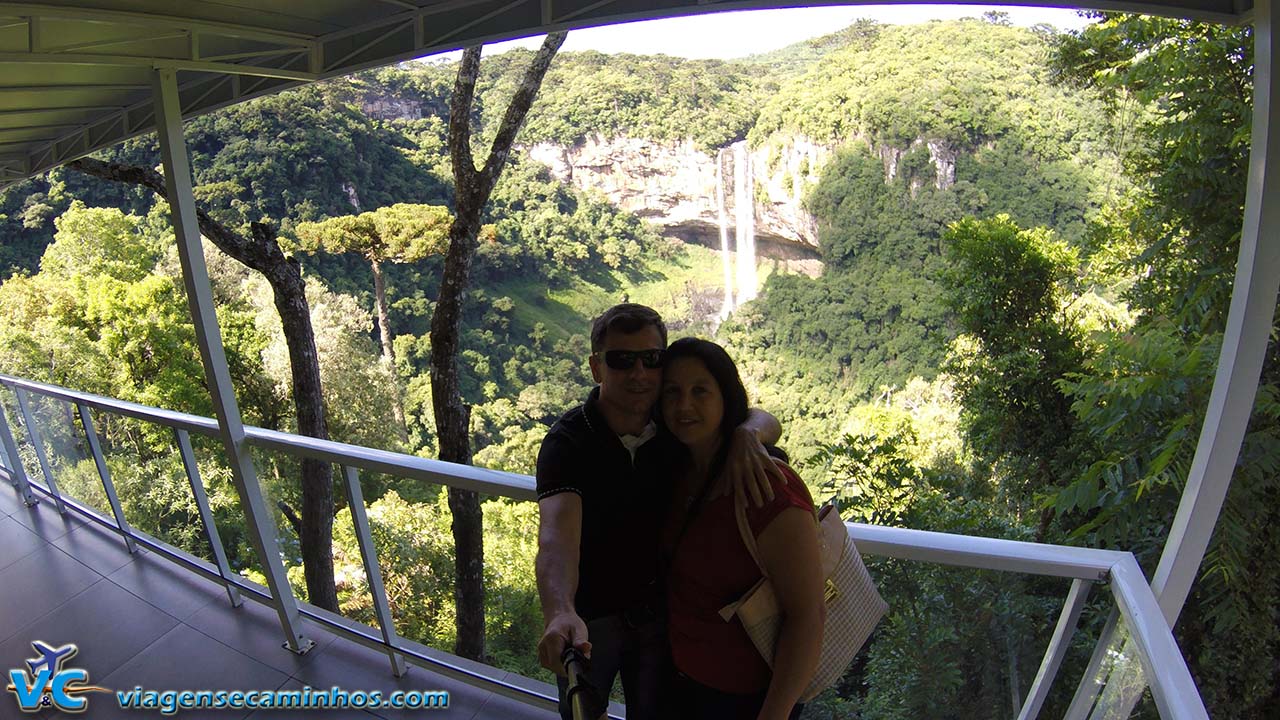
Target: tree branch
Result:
[[256, 253], [464, 91], [518, 109], [291, 516]]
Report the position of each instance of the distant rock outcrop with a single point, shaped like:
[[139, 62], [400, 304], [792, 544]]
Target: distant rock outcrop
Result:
[[673, 185]]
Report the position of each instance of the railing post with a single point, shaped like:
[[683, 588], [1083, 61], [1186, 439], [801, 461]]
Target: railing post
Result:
[[95, 448], [369, 554], [17, 471], [1057, 649], [195, 277], [1167, 675], [34, 433], [206, 514]]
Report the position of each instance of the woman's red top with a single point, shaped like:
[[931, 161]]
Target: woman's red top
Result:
[[711, 568]]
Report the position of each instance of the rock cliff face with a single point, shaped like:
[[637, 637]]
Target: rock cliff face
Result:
[[673, 185]]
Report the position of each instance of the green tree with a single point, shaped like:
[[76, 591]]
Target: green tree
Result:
[[396, 233], [1187, 86], [1009, 289], [261, 251]]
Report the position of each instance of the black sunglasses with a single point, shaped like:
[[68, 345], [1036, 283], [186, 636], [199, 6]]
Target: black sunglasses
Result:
[[626, 359]]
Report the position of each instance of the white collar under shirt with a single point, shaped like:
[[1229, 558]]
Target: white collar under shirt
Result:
[[631, 442]]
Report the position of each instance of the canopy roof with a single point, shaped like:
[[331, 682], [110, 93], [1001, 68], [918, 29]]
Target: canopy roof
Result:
[[75, 75]]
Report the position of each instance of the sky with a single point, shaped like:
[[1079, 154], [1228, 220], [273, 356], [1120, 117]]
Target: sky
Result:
[[737, 34]]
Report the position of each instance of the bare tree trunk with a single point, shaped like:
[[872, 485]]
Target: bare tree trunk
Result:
[[388, 351], [472, 188], [262, 253], [316, 539]]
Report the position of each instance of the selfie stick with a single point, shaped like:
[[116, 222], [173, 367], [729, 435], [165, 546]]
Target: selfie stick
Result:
[[583, 698]]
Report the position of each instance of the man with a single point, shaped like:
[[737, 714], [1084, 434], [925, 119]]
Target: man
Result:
[[604, 476]]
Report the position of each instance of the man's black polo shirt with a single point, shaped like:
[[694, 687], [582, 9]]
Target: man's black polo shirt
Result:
[[624, 504]]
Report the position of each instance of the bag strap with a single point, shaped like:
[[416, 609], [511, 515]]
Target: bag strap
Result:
[[744, 528], [749, 538]]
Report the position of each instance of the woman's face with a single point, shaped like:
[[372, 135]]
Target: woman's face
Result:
[[692, 405]]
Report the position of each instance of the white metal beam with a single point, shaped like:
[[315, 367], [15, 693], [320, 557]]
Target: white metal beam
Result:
[[195, 276], [1166, 673], [980, 552], [1057, 649]]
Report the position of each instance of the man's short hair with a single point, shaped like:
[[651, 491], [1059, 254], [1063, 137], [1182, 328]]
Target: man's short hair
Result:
[[626, 318]]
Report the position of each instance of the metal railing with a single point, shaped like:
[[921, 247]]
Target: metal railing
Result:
[[1170, 682]]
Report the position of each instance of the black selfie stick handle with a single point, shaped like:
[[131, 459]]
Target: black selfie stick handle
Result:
[[583, 699]]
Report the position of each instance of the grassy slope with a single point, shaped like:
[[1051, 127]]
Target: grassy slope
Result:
[[671, 286]]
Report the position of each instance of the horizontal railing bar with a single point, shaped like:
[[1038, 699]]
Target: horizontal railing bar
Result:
[[368, 637], [191, 562], [171, 418], [984, 553], [74, 504], [467, 477], [528, 696]]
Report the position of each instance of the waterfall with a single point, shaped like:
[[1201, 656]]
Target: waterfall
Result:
[[740, 280], [744, 209], [724, 237]]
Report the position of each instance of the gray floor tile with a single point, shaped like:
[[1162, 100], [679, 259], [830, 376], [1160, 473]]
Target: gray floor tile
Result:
[[254, 630], [16, 541], [99, 548], [171, 588], [37, 584], [103, 644], [45, 520], [184, 659], [354, 667], [10, 499]]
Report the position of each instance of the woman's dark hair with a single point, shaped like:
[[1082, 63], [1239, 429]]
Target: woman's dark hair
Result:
[[725, 373]]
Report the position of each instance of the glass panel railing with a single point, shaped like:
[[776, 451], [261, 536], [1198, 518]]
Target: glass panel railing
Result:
[[982, 626], [1123, 691]]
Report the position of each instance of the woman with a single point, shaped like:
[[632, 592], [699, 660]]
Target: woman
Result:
[[720, 672]]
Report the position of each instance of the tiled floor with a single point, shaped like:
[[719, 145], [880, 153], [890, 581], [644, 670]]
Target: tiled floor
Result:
[[140, 620]]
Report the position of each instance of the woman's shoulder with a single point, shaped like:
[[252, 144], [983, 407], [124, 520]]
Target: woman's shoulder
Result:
[[788, 492], [791, 487]]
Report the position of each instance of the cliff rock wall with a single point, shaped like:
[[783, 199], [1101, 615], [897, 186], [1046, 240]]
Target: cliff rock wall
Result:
[[673, 185]]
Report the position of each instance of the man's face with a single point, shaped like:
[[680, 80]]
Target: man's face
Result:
[[633, 389]]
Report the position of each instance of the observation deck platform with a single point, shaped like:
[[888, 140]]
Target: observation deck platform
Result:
[[140, 620]]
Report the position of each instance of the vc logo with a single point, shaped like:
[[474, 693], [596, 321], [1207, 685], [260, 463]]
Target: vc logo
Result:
[[48, 684]]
